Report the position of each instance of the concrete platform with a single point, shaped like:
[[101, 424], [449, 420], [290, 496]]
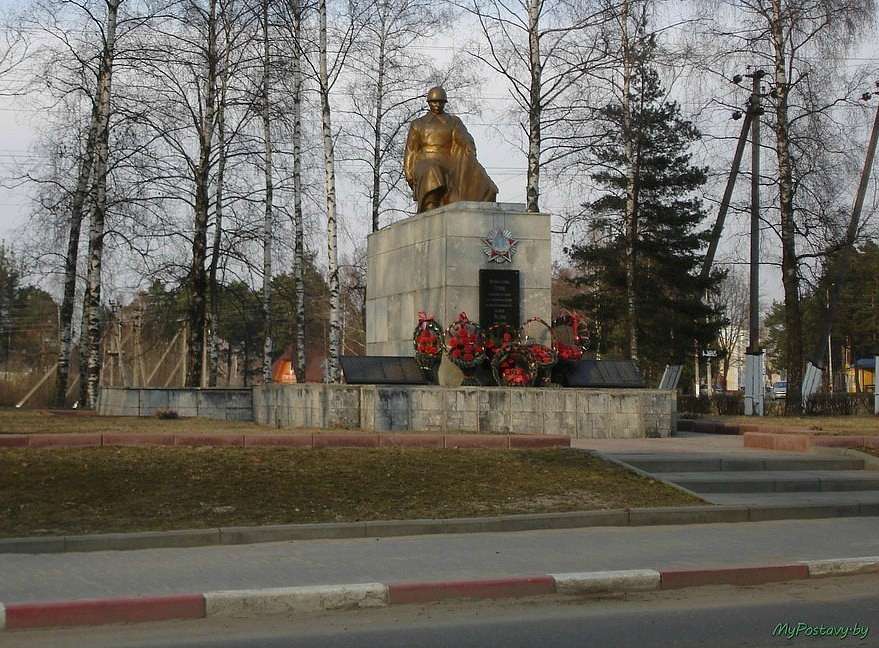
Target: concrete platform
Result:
[[578, 413]]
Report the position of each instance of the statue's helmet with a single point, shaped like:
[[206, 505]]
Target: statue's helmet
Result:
[[437, 94]]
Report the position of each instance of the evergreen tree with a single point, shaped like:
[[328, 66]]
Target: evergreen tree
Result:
[[855, 331], [10, 280], [667, 244]]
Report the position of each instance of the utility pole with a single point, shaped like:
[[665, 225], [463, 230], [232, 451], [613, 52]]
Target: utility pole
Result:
[[754, 389], [839, 269], [717, 230]]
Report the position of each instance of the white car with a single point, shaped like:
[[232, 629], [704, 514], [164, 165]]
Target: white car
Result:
[[779, 390]]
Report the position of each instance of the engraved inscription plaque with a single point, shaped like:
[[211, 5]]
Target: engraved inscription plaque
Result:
[[499, 298], [381, 370]]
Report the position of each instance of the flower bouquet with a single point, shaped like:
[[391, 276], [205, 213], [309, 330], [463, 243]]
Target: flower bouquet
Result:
[[499, 336], [537, 335], [570, 336], [428, 342], [512, 367], [465, 346]]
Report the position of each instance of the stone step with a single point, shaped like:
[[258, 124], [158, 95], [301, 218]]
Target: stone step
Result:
[[775, 481], [863, 499], [681, 463]]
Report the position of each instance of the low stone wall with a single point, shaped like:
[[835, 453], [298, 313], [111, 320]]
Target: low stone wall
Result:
[[579, 413], [214, 403]]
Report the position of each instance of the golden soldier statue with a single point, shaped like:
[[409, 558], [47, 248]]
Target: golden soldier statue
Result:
[[440, 161]]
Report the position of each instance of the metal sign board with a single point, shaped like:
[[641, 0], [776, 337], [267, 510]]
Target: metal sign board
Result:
[[603, 373], [499, 298], [381, 370]]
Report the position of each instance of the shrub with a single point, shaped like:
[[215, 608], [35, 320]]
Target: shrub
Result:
[[823, 404], [718, 404]]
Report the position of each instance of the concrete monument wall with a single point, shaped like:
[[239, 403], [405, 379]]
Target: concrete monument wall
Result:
[[579, 413], [214, 403], [431, 262]]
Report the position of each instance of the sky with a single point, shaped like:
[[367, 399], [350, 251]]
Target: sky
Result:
[[500, 143]]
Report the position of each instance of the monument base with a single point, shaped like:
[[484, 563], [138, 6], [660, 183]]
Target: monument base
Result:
[[578, 413], [431, 262]]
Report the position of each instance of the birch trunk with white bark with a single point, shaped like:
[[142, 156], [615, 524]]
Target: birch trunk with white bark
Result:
[[789, 263], [377, 134], [92, 304], [532, 188], [219, 197], [77, 209], [630, 145], [298, 225], [267, 221], [197, 273], [334, 332]]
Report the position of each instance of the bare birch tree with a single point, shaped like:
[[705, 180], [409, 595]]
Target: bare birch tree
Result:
[[193, 57], [733, 300], [267, 221], [795, 41], [219, 198], [298, 226], [294, 51], [389, 78], [84, 74], [545, 49], [631, 21], [327, 74], [92, 304]]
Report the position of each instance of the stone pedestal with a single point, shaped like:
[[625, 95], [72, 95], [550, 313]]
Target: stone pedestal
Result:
[[431, 262]]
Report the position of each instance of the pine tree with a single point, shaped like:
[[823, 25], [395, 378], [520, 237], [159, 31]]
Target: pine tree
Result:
[[666, 241]]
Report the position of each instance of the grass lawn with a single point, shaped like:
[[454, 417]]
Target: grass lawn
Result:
[[857, 425], [92, 490]]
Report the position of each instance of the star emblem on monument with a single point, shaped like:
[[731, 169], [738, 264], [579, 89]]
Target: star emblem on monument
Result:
[[499, 246]]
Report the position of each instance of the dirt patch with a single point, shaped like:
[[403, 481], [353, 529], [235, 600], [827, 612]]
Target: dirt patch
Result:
[[93, 490]]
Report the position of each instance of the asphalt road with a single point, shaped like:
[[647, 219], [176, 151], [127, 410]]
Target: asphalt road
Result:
[[719, 617]]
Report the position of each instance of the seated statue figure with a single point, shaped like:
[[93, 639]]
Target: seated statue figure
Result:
[[440, 161]]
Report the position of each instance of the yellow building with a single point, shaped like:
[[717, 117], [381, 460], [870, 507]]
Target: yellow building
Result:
[[860, 377]]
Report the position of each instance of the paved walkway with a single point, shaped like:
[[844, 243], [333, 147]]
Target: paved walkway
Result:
[[446, 557], [681, 442]]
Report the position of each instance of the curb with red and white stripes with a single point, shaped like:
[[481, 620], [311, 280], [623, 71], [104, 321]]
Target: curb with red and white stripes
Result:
[[292, 600]]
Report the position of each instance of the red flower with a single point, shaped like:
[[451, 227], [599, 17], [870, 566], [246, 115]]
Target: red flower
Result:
[[569, 352]]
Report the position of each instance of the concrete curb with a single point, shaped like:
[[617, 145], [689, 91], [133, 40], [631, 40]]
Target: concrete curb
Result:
[[283, 600], [462, 441], [21, 616], [632, 580], [842, 567], [709, 514], [293, 600]]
